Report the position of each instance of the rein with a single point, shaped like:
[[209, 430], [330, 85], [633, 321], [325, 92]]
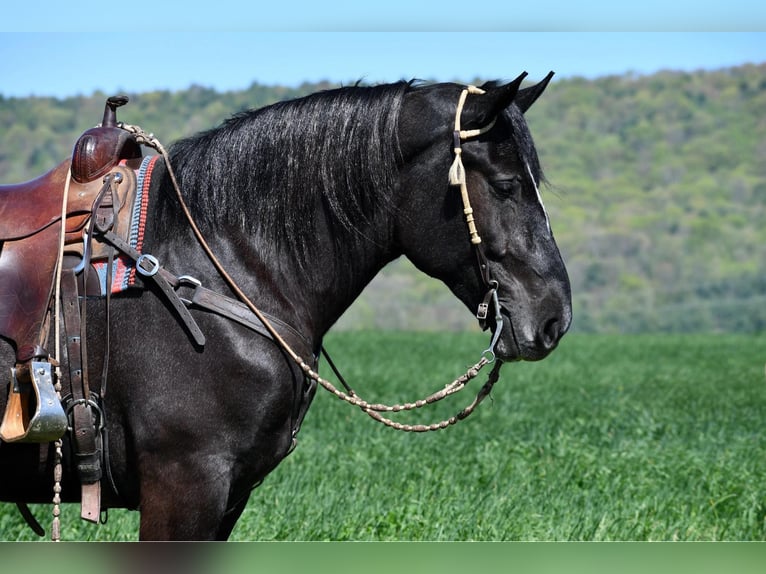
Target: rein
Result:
[[457, 177]]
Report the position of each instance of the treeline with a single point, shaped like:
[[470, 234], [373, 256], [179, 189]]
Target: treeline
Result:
[[657, 193], [37, 133], [659, 197]]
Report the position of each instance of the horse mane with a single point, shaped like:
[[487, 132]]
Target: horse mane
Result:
[[264, 171], [525, 145]]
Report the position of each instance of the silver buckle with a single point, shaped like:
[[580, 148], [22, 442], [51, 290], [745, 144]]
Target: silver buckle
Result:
[[151, 259]]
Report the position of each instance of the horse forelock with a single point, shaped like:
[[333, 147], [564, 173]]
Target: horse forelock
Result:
[[520, 134], [522, 139], [265, 171]]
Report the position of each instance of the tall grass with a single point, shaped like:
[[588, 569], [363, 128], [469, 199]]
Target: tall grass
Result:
[[611, 438]]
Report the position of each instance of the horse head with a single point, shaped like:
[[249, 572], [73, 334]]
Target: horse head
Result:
[[485, 234]]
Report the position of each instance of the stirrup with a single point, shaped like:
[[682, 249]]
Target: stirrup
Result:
[[34, 412]]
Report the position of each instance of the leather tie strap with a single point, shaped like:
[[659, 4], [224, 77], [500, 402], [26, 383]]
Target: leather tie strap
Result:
[[87, 451]]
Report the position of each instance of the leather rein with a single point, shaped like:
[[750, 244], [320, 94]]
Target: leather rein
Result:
[[240, 309]]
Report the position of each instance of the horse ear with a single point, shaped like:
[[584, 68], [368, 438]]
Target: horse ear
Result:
[[528, 96], [480, 110]]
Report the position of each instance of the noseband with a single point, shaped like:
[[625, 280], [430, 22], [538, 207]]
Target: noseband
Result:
[[457, 177]]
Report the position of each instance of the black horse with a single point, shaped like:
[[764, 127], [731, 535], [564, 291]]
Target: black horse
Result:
[[304, 202]]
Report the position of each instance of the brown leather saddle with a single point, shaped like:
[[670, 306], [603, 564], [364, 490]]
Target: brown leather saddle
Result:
[[84, 213], [31, 216]]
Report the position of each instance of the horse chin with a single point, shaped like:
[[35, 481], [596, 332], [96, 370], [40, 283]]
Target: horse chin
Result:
[[507, 350], [512, 346]]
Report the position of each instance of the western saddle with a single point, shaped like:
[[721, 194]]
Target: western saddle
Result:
[[99, 185]]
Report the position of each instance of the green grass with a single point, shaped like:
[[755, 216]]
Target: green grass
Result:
[[610, 438]]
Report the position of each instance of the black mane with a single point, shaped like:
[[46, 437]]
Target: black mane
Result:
[[522, 138], [264, 171]]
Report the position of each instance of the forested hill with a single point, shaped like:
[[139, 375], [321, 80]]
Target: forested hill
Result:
[[659, 197], [657, 193]]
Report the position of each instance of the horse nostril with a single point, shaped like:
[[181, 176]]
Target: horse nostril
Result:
[[551, 333]]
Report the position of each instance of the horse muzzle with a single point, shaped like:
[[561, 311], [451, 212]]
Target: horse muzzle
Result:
[[525, 338]]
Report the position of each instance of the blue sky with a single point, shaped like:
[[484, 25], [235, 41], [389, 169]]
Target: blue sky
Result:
[[236, 44]]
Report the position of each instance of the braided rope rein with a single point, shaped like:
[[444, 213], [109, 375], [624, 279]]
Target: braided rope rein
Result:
[[372, 409]]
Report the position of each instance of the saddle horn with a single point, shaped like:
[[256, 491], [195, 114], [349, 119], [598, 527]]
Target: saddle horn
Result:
[[110, 110], [100, 149]]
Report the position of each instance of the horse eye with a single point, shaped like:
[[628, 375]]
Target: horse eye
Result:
[[510, 186]]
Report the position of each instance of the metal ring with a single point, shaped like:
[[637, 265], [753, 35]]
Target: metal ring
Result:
[[150, 259]]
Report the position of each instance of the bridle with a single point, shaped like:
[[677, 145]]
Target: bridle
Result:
[[457, 177], [374, 410]]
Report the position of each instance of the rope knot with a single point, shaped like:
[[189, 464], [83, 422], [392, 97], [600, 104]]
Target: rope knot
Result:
[[456, 170]]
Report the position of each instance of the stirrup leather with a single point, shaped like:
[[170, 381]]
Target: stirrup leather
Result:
[[34, 412]]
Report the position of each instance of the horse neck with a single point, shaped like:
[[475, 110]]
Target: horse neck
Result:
[[309, 293], [334, 274]]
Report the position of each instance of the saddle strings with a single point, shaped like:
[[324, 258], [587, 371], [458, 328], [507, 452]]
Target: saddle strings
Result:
[[58, 444], [372, 409]]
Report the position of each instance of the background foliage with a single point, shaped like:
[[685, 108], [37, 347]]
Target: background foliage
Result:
[[657, 193]]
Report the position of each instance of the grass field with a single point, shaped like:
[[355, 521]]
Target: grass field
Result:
[[610, 438]]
